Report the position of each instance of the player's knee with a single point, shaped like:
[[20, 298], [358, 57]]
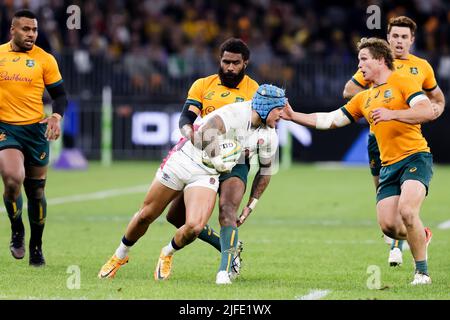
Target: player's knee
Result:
[[391, 230], [409, 214], [12, 185], [34, 188], [227, 213], [192, 230], [408, 218], [143, 217]]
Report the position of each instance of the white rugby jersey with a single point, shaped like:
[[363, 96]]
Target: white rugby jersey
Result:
[[237, 120], [263, 141]]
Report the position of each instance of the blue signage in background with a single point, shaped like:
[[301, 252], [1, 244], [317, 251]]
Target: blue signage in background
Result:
[[357, 154]]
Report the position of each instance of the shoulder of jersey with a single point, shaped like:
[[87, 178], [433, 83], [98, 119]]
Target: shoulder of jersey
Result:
[[41, 52], [267, 132], [210, 78], [239, 104], [400, 76], [419, 59], [251, 82], [4, 47]]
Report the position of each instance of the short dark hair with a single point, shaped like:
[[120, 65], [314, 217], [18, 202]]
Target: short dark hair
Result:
[[378, 48], [235, 45], [24, 14], [402, 21]]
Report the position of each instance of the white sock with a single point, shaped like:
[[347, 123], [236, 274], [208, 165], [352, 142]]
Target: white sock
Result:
[[168, 250], [122, 251]]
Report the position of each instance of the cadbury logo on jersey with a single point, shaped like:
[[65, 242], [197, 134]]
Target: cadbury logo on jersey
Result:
[[4, 76]]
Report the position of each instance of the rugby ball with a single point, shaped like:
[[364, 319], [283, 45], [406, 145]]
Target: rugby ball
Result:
[[230, 151]]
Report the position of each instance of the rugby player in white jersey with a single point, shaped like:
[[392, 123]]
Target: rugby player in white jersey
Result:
[[184, 170]]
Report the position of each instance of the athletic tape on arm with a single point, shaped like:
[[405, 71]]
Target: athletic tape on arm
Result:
[[326, 119], [252, 205], [417, 99]]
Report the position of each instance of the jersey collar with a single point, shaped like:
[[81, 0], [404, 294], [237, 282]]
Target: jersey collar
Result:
[[405, 59], [11, 50]]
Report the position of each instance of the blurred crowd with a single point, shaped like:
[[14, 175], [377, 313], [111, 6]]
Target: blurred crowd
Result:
[[155, 39]]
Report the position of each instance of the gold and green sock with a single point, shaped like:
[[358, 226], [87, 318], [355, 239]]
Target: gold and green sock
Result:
[[228, 242], [14, 210], [397, 244], [210, 236]]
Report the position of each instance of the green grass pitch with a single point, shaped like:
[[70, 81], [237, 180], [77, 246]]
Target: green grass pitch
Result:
[[315, 228]]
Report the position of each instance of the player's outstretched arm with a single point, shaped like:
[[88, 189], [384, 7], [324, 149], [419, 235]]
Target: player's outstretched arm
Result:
[[318, 120], [304, 119]]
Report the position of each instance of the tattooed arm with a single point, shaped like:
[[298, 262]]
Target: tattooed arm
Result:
[[259, 185]]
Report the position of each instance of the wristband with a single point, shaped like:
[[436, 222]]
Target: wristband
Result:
[[252, 205]]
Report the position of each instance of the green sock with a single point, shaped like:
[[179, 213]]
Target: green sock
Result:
[[210, 236], [14, 210], [228, 242], [37, 211], [422, 266], [397, 244]]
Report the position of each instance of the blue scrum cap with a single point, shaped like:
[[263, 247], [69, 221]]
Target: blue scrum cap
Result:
[[267, 98]]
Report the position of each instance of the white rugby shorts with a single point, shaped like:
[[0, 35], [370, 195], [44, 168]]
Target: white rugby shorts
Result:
[[179, 171]]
